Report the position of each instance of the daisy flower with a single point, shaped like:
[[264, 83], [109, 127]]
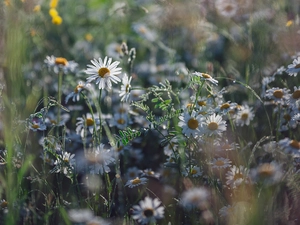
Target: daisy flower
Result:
[[268, 173], [120, 120], [80, 215], [37, 124], [220, 163], [125, 88], [214, 125], [144, 31], [88, 122], [132, 173], [290, 146], [195, 171], [195, 197], [294, 68], [244, 116], [278, 95], [103, 72], [224, 108], [75, 95], [295, 96], [99, 160], [136, 182], [115, 50], [148, 211], [64, 163], [190, 124], [236, 176], [226, 8], [226, 146], [60, 64], [206, 77]]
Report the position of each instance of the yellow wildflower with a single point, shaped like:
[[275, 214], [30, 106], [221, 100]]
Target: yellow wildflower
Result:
[[57, 20], [53, 3]]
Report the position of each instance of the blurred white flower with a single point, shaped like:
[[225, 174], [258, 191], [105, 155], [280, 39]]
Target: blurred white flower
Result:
[[148, 211]]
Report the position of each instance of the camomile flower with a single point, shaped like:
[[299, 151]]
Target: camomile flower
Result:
[[75, 95], [295, 96], [267, 173], [100, 159], [206, 77], [294, 68], [195, 171], [220, 163], [136, 182], [214, 125], [37, 124], [226, 8], [132, 173], [64, 163], [236, 176], [224, 108], [278, 95], [144, 31], [120, 120], [88, 122], [290, 146], [60, 64], [244, 116], [103, 72], [125, 88], [190, 124], [80, 215], [148, 211], [197, 197]]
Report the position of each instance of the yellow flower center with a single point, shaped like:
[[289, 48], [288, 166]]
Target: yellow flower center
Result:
[[193, 171], [287, 117], [121, 121], [136, 181], [150, 173], [103, 71], [266, 170], [193, 123], [142, 30], [148, 212], [201, 103], [295, 144], [238, 176], [219, 163], [244, 116], [206, 76], [225, 106], [35, 126], [296, 94], [4, 204], [61, 61], [89, 122], [212, 126], [278, 94], [226, 146], [119, 149], [228, 8], [79, 86], [127, 88], [189, 105]]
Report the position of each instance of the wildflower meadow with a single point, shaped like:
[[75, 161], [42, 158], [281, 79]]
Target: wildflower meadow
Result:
[[144, 112]]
